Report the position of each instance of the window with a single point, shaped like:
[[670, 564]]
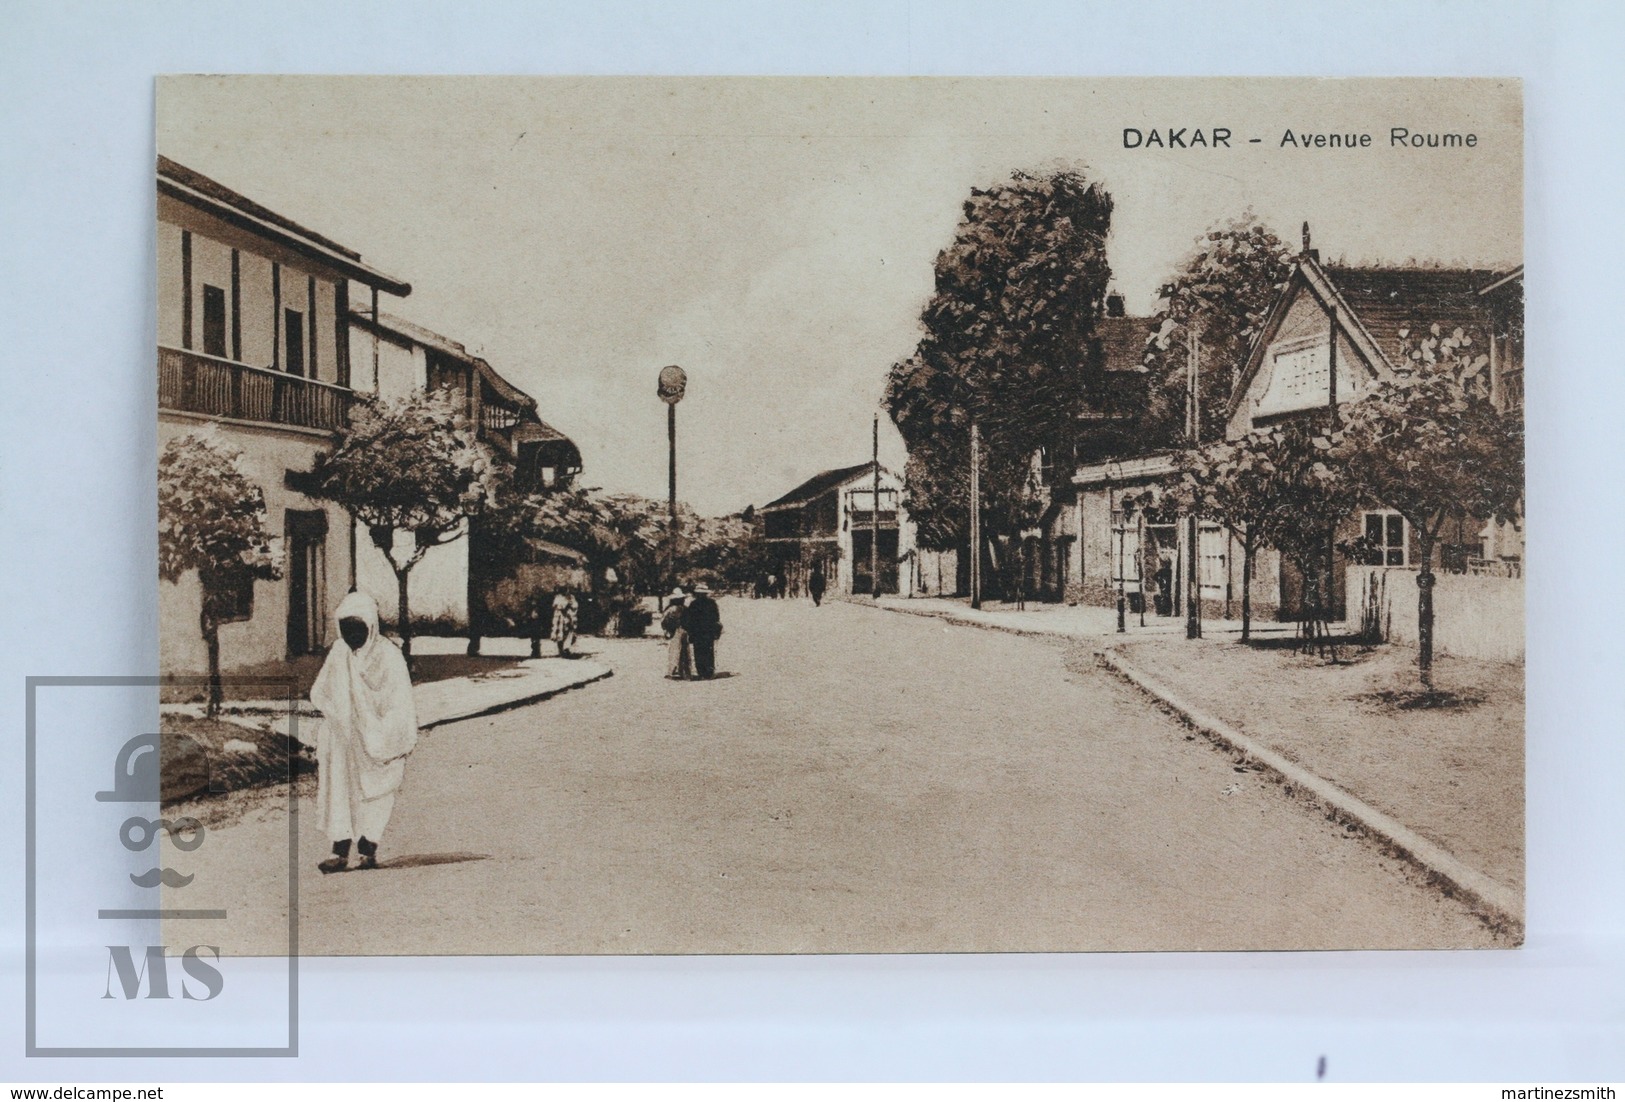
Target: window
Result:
[[229, 595], [214, 321], [1125, 551], [1385, 535], [1212, 542], [1300, 376], [293, 341]]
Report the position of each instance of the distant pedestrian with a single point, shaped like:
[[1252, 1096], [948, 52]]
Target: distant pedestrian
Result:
[[679, 657], [702, 620], [369, 725], [566, 615], [815, 584], [772, 585]]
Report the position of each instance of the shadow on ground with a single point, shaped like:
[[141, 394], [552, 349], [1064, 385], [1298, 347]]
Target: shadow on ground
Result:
[[423, 860]]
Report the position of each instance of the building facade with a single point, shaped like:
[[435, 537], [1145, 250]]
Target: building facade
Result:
[[450, 586], [1330, 335], [830, 521], [253, 342]]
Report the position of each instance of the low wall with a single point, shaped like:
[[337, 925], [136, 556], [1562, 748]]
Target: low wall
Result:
[[1473, 616]]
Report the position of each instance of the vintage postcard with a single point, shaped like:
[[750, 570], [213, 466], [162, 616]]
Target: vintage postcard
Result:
[[675, 516]]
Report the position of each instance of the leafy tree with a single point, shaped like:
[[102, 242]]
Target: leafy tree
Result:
[[211, 519], [1005, 334], [1432, 446], [1311, 495], [1225, 289], [727, 551], [1230, 482], [941, 491], [1274, 486], [414, 465], [644, 528]]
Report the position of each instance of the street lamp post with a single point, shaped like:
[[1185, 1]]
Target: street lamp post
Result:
[[671, 387]]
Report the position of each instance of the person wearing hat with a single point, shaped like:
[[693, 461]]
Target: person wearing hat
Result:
[[702, 621], [679, 662]]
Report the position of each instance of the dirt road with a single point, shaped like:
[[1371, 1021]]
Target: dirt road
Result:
[[859, 781]]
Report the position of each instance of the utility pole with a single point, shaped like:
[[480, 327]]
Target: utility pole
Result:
[[975, 516], [673, 383], [1331, 398], [1139, 541], [1193, 592], [1119, 523], [874, 521]]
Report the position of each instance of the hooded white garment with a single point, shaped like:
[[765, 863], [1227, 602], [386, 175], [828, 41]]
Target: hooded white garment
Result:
[[369, 725]]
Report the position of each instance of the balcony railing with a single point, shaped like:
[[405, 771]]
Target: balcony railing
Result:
[[193, 382]]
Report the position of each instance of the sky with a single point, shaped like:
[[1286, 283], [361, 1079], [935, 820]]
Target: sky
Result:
[[775, 236]]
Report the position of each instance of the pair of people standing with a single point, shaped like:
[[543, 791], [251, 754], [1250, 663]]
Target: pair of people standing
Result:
[[692, 624]]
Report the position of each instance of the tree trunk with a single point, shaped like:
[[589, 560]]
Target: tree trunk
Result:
[[403, 622], [1424, 611], [211, 641], [1247, 588]]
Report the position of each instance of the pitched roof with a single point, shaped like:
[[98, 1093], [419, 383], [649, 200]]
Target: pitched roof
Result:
[[193, 187], [1122, 342], [819, 484], [389, 324], [1388, 300], [1375, 304]]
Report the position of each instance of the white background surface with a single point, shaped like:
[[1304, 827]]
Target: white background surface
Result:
[[78, 547]]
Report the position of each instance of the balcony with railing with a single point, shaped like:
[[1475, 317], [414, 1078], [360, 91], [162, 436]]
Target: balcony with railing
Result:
[[193, 382]]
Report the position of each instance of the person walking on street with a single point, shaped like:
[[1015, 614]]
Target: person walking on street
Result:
[[679, 657], [369, 725], [566, 611], [815, 584], [702, 620]]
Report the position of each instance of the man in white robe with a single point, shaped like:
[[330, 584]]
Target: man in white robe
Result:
[[369, 725]]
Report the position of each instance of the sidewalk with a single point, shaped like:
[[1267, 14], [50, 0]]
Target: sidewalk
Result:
[[1067, 621], [1441, 786], [446, 701]]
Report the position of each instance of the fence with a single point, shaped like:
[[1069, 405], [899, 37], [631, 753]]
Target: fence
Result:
[[1474, 615]]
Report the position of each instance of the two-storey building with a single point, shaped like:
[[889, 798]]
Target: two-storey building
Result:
[[253, 339], [830, 521], [396, 357], [1331, 333]]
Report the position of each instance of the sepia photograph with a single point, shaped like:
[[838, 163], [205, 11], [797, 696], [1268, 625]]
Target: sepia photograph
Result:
[[752, 515]]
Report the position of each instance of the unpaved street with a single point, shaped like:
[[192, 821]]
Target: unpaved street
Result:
[[861, 781]]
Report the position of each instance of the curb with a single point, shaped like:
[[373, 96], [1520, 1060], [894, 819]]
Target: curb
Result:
[[1440, 868], [950, 618], [516, 702]]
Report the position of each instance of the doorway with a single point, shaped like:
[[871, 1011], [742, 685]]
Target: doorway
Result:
[[307, 580]]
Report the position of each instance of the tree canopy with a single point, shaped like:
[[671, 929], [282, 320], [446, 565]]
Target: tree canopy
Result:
[[211, 515], [412, 464], [1005, 338], [1224, 288], [1431, 445], [212, 520]]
